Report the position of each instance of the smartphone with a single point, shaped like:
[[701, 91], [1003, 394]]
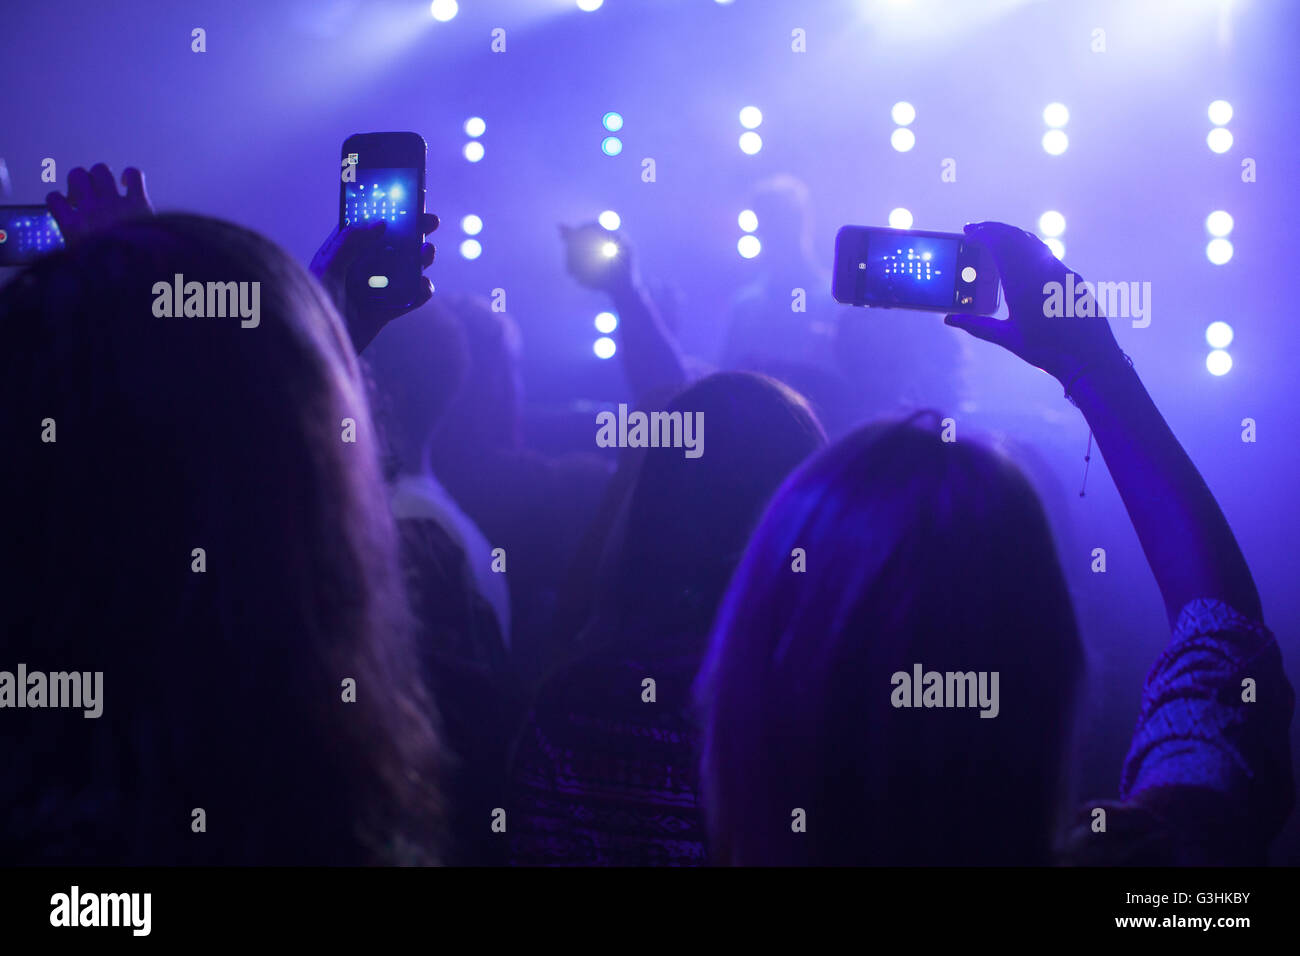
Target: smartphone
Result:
[[382, 177], [27, 233], [910, 269]]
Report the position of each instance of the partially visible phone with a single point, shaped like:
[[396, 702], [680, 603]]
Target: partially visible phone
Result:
[[26, 234], [382, 177], [910, 269]]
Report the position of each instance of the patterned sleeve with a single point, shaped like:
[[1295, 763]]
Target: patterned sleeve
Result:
[[1211, 747]]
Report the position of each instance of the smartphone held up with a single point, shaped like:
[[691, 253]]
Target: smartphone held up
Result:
[[911, 269], [382, 178]]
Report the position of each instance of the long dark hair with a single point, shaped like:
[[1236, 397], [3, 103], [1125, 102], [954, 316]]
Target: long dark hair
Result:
[[916, 551], [223, 690]]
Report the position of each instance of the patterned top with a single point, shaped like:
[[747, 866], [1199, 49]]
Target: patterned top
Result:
[[1208, 777], [604, 777]]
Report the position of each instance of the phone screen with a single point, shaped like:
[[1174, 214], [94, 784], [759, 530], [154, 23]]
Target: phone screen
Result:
[[27, 233], [911, 270], [388, 194]]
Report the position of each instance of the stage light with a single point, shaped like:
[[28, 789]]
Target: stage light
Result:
[[1220, 112], [751, 117], [609, 249], [471, 249], [724, 3], [902, 139], [473, 151], [472, 225], [1055, 142], [604, 347], [1218, 362], [444, 10], [900, 218], [748, 220], [1218, 223], [749, 246], [606, 322], [587, 6], [475, 127], [609, 219], [1056, 245], [750, 143], [1056, 115], [1219, 139], [1218, 335], [1218, 251], [1051, 223], [903, 113], [612, 121], [611, 146]]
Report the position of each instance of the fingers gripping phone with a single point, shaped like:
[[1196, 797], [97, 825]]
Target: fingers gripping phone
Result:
[[910, 269], [382, 177], [26, 234]]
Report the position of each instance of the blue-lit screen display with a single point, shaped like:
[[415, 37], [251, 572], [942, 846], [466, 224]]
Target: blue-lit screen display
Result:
[[911, 270], [383, 194], [26, 234]]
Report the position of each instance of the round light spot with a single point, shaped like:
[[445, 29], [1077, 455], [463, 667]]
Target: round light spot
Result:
[[751, 117], [1051, 223], [609, 219], [903, 113], [473, 151], [1218, 335], [444, 10], [1055, 142], [471, 249], [900, 218], [750, 143], [749, 246], [604, 347], [1056, 245], [471, 225], [902, 139], [748, 220], [1219, 139], [611, 146], [1218, 223], [589, 5], [606, 322], [1056, 115], [1220, 112], [612, 121], [475, 127], [1218, 251], [1218, 362]]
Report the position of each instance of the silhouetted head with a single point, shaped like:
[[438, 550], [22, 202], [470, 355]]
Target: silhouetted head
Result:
[[195, 510], [687, 519], [891, 549], [784, 210]]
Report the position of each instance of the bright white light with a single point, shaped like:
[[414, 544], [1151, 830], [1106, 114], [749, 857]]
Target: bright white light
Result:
[[749, 246], [900, 218], [1220, 112], [611, 146], [472, 225], [603, 347], [902, 139], [750, 143], [473, 151], [1218, 223], [589, 5], [475, 127], [1218, 251], [1056, 245], [1056, 115], [609, 219], [1219, 139], [724, 2], [1051, 223], [1055, 142], [903, 113], [1218, 362], [612, 121], [609, 249], [444, 10], [751, 117], [471, 249], [748, 220], [606, 322], [1219, 335]]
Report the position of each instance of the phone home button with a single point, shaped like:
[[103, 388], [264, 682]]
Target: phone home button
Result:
[[378, 282]]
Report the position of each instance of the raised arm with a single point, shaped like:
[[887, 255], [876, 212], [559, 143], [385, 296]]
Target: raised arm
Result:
[[1186, 539]]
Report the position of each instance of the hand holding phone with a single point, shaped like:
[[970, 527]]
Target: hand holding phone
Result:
[[911, 269], [598, 258]]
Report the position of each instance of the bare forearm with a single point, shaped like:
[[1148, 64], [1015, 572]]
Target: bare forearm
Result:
[[1186, 538], [650, 356]]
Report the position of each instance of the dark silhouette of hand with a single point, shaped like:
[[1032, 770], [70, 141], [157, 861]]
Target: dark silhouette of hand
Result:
[[93, 201], [586, 258]]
